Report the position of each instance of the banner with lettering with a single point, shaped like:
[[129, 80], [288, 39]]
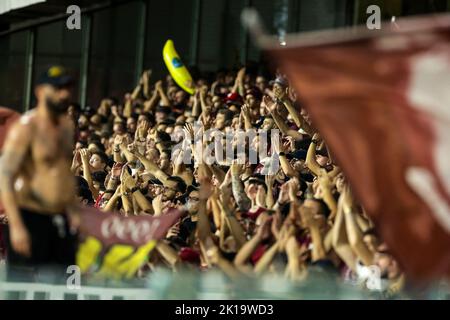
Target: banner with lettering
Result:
[[114, 246]]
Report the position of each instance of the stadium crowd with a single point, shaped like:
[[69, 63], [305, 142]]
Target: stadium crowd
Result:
[[130, 156]]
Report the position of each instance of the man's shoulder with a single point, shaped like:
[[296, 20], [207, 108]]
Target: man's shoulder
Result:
[[25, 122], [21, 130], [27, 118]]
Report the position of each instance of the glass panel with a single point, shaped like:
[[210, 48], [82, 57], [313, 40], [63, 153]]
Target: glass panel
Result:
[[170, 19], [12, 70], [113, 53], [57, 45]]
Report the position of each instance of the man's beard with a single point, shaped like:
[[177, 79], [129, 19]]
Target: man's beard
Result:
[[57, 108]]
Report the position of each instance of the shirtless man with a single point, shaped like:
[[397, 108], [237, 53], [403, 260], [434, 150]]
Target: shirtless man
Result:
[[37, 186]]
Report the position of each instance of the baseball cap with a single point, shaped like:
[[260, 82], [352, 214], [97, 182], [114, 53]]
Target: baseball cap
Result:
[[165, 110], [233, 98], [298, 154], [56, 76], [282, 81]]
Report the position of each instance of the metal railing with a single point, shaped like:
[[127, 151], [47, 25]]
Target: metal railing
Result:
[[163, 284]]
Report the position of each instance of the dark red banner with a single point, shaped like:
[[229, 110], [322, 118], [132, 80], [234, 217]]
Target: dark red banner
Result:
[[382, 103]]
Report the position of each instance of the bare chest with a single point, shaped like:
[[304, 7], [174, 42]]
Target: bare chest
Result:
[[51, 144]]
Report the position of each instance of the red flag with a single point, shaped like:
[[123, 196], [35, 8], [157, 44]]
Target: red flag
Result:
[[381, 100], [7, 118]]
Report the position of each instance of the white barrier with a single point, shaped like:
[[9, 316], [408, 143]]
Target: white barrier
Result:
[[38, 291]]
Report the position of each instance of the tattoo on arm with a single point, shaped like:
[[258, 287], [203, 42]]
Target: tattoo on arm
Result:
[[241, 198]]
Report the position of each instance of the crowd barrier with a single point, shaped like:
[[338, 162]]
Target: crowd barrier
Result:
[[39, 291], [211, 285]]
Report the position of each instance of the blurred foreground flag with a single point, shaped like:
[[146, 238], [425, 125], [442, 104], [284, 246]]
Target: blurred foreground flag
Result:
[[114, 246], [381, 100], [7, 118]]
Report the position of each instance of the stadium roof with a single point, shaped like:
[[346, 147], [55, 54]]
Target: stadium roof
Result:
[[19, 16]]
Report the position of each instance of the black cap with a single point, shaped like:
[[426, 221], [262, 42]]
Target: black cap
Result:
[[56, 76], [166, 110]]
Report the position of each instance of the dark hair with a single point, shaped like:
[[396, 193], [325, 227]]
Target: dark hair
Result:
[[83, 143], [103, 156], [303, 186], [98, 144], [99, 177], [83, 190], [163, 136], [181, 185], [256, 179], [190, 189], [93, 137], [76, 106], [371, 232], [323, 207], [227, 113]]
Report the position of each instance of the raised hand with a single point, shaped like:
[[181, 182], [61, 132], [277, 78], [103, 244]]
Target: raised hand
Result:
[[188, 131], [158, 85], [269, 104], [279, 94], [116, 170], [270, 180], [76, 161], [157, 204], [245, 111], [241, 74], [293, 186], [291, 94], [283, 196], [127, 180], [142, 129], [118, 140], [85, 155], [206, 187], [236, 169]]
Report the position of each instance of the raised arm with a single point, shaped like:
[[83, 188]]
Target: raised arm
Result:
[[153, 168], [112, 202], [239, 195], [196, 108], [165, 102], [132, 190], [354, 233], [235, 227], [271, 106], [311, 161], [244, 254], [87, 172], [150, 104], [281, 149], [239, 82], [245, 111], [318, 252], [327, 185], [340, 240], [146, 83]]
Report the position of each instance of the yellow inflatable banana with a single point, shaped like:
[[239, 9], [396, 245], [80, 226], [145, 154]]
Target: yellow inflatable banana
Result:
[[176, 68]]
